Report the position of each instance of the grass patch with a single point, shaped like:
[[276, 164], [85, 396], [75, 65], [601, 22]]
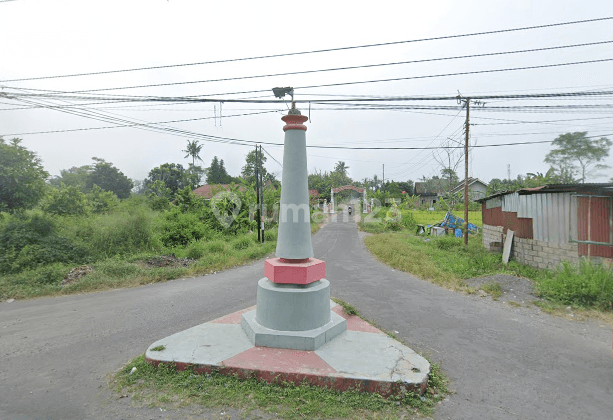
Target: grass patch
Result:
[[425, 217], [159, 348], [131, 271], [165, 386], [347, 308], [372, 226], [493, 289], [584, 285], [445, 261]]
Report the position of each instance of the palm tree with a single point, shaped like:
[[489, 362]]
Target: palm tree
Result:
[[193, 150], [341, 167]]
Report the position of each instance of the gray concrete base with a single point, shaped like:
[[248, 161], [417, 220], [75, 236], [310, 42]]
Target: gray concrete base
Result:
[[293, 307], [296, 340]]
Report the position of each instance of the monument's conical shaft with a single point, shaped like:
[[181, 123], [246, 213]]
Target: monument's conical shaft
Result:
[[294, 237]]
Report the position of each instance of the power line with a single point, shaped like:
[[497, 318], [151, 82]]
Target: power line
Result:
[[345, 68], [183, 99], [137, 124], [551, 25], [271, 156]]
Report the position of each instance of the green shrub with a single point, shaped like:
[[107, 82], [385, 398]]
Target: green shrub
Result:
[[51, 274], [179, 229], [215, 247], [586, 284], [242, 243], [32, 240], [50, 249], [407, 220], [119, 233], [66, 201], [196, 250], [392, 225], [101, 201], [270, 235]]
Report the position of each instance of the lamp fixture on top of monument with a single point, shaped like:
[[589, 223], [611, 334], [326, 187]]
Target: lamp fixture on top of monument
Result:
[[280, 93]]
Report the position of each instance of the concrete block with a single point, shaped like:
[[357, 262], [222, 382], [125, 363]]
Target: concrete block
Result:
[[278, 271], [293, 307], [538, 259], [295, 340]]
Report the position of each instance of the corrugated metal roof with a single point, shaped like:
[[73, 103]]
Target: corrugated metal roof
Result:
[[592, 188]]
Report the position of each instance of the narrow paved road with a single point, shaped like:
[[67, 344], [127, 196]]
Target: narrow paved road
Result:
[[504, 362]]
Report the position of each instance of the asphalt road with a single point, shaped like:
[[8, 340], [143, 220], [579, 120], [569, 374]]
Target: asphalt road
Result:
[[504, 362]]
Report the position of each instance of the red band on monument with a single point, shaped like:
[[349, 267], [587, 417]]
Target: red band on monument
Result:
[[294, 122], [294, 261]]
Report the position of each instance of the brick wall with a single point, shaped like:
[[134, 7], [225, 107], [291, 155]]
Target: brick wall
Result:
[[532, 252]]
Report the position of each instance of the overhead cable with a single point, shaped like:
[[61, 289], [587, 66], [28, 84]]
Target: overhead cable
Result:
[[437, 38], [260, 76]]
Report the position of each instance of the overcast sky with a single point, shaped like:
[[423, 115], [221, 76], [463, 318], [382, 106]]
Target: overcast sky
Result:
[[49, 38]]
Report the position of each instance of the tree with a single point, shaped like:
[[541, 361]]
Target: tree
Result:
[[65, 201], [248, 171], [173, 176], [578, 153], [217, 173], [109, 178], [22, 177], [339, 174], [341, 167], [100, 173], [73, 177], [193, 149], [101, 201], [449, 158]]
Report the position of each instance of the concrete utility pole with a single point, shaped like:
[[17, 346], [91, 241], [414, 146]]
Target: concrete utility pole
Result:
[[262, 206], [257, 194], [466, 171]]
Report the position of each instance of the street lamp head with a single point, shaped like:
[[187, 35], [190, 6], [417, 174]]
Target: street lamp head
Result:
[[280, 92]]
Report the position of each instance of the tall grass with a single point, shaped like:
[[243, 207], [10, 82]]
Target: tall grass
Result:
[[118, 233], [586, 285]]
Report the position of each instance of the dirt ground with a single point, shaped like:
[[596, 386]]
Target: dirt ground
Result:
[[515, 289]]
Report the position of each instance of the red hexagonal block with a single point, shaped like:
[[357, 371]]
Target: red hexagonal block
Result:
[[278, 270]]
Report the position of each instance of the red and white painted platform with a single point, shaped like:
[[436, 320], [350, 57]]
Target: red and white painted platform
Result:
[[363, 357]]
